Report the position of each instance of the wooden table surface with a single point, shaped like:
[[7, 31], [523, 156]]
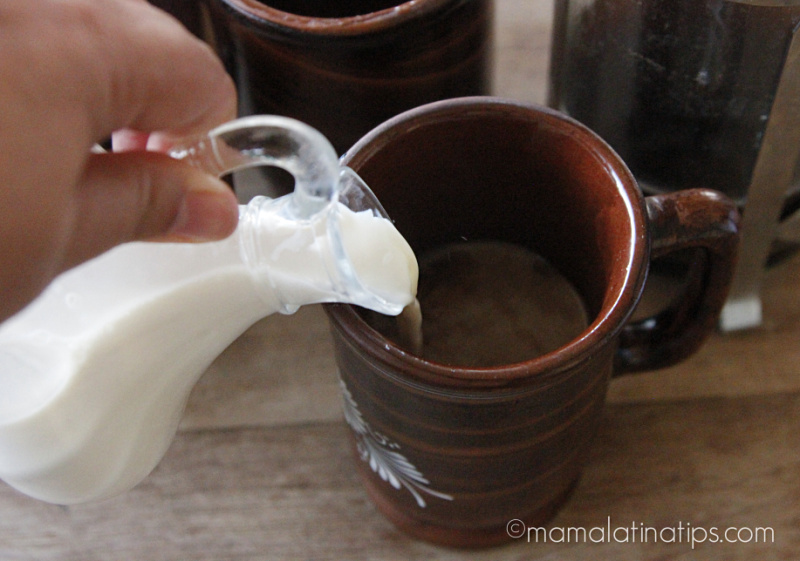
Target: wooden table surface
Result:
[[260, 469]]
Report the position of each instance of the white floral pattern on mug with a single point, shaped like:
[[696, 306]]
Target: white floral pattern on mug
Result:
[[383, 457]]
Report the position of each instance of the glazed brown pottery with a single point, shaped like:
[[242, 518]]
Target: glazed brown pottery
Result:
[[455, 454], [189, 12], [346, 66]]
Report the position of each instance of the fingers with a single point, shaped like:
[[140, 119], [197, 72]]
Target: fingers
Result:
[[127, 140], [146, 196], [73, 73], [182, 89]]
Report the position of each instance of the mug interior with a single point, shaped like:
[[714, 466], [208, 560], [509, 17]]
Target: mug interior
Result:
[[328, 18], [328, 9], [488, 169]]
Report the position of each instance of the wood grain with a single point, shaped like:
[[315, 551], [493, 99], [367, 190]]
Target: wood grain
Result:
[[291, 493]]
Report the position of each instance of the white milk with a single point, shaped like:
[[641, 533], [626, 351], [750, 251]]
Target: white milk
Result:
[[95, 374]]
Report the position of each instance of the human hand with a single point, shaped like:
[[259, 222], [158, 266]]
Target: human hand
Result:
[[71, 73]]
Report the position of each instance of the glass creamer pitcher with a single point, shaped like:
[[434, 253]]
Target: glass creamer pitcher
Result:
[[96, 372]]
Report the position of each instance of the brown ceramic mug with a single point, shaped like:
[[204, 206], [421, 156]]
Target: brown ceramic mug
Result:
[[346, 66], [189, 12], [453, 454]]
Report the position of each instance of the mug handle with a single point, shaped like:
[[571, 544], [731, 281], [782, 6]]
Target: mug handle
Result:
[[694, 218]]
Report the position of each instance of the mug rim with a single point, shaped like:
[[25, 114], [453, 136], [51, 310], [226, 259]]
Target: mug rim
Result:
[[343, 26], [606, 325]]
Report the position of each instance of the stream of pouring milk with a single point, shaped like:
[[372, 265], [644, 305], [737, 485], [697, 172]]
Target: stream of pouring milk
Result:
[[95, 374]]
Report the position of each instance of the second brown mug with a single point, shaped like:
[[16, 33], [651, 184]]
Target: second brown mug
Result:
[[345, 66]]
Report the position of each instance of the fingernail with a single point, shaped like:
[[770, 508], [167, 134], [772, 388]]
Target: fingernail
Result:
[[208, 212]]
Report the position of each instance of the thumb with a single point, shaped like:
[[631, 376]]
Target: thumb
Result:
[[147, 196]]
